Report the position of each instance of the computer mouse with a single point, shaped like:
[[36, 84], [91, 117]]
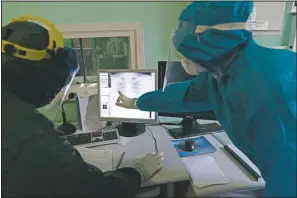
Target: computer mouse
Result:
[[189, 145]]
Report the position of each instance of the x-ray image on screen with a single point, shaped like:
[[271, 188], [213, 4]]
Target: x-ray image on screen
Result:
[[132, 85]]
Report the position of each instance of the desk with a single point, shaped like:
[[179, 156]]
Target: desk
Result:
[[240, 179], [174, 170]]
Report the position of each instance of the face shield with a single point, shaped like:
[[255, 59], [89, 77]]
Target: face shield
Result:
[[52, 110], [179, 67], [63, 58]]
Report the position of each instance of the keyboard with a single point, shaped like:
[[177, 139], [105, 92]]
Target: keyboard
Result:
[[96, 138]]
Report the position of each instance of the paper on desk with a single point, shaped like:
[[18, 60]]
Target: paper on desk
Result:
[[204, 171], [102, 159], [125, 140]]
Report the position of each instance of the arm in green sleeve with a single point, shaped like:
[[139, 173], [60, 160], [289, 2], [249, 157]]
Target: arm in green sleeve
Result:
[[186, 96]]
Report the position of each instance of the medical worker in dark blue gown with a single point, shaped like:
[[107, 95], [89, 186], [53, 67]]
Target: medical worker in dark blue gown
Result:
[[37, 160], [252, 89]]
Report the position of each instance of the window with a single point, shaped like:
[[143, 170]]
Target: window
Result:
[[104, 46]]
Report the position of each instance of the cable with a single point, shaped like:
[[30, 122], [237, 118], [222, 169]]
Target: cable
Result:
[[173, 135], [165, 123], [168, 123], [156, 144]]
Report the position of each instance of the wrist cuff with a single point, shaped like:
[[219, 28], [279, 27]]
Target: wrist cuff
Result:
[[135, 103]]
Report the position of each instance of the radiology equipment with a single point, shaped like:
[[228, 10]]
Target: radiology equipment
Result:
[[190, 126], [131, 83]]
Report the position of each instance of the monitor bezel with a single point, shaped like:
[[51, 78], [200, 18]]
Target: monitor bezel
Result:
[[130, 120]]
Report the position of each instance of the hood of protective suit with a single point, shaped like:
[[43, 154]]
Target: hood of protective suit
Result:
[[203, 48]]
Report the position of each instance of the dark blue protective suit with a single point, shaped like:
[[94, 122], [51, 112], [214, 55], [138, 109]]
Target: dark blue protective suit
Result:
[[37, 159], [254, 99]]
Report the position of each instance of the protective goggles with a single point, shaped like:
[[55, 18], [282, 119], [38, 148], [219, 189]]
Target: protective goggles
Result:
[[185, 28]]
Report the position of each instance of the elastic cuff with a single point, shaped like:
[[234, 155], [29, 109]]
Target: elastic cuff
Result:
[[135, 103]]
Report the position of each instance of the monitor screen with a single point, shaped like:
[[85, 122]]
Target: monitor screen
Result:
[[132, 83]]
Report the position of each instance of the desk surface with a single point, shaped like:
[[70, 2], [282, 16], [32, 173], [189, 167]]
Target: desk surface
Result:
[[240, 179], [174, 170]]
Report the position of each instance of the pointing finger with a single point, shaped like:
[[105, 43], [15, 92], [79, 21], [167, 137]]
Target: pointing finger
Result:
[[120, 104], [121, 94]]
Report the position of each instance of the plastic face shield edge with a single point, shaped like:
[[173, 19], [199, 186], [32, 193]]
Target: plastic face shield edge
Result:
[[56, 46], [179, 68], [53, 109]]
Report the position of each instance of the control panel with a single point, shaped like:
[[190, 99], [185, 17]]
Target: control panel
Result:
[[96, 138]]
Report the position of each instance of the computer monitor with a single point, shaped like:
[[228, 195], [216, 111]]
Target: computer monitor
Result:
[[132, 83], [190, 127]]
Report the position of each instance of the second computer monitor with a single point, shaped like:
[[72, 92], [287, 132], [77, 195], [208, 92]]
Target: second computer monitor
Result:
[[132, 83]]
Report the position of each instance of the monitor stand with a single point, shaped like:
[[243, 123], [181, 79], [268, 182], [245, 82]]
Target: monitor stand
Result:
[[190, 127], [127, 129]]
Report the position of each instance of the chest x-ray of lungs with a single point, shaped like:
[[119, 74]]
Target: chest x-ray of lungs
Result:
[[132, 85], [175, 73]]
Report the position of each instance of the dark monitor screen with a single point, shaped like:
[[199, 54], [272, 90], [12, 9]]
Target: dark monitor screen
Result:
[[207, 115]]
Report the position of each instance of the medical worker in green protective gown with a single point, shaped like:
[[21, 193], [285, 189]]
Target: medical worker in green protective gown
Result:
[[252, 89]]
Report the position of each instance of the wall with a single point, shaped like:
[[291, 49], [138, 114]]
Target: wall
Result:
[[291, 21], [282, 39], [158, 18]]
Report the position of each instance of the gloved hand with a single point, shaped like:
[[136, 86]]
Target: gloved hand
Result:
[[124, 101], [149, 165]]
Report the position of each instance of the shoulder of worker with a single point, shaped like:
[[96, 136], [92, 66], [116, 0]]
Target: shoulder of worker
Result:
[[273, 67], [264, 76], [277, 64]]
